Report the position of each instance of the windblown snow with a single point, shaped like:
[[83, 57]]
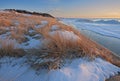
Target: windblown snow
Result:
[[77, 70]]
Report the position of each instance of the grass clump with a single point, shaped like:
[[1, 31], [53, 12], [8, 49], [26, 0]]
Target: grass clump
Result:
[[9, 48], [57, 47]]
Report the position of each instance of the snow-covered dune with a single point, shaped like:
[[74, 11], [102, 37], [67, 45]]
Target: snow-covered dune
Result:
[[77, 70], [36, 48]]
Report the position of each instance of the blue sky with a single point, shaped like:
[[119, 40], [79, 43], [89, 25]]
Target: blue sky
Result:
[[67, 8]]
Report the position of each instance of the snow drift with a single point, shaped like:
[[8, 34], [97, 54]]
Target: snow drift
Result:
[[77, 70]]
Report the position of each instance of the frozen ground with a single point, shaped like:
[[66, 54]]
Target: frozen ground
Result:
[[77, 70], [106, 27]]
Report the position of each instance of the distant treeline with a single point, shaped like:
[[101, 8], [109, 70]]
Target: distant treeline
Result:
[[28, 12]]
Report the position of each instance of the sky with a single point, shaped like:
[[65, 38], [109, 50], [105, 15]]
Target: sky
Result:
[[68, 8]]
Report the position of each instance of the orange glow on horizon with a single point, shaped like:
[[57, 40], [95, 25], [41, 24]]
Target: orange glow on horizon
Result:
[[91, 16]]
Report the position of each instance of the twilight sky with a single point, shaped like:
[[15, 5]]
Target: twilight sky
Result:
[[68, 8]]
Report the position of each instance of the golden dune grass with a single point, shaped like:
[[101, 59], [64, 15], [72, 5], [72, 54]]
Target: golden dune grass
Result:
[[5, 22], [62, 48], [56, 46], [9, 48], [59, 48], [19, 24]]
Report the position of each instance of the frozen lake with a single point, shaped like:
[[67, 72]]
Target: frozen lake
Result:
[[104, 31]]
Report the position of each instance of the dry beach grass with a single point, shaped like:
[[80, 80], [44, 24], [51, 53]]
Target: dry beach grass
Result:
[[56, 45], [9, 48]]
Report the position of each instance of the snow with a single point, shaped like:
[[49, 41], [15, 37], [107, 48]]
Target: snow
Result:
[[77, 70], [2, 11], [38, 61], [43, 23], [26, 14], [82, 70], [32, 43], [31, 31], [6, 35], [68, 35], [110, 28], [37, 36], [55, 28]]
